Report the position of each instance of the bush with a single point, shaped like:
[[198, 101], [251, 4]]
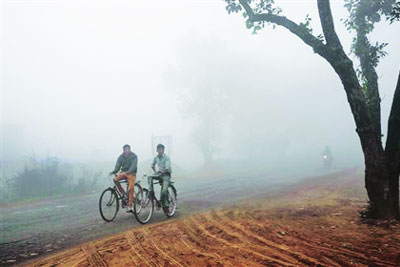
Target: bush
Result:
[[43, 178], [87, 181]]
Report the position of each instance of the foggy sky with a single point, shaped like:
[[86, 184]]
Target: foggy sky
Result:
[[82, 78]]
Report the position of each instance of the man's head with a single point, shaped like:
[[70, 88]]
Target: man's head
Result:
[[160, 149], [127, 149]]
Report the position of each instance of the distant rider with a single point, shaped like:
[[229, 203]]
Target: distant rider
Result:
[[327, 156], [126, 168], [164, 169]]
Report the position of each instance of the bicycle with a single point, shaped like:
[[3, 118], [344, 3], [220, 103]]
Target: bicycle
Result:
[[110, 198], [144, 209]]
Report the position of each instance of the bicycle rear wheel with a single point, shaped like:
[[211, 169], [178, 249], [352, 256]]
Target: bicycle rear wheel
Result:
[[144, 209], [109, 204], [172, 200]]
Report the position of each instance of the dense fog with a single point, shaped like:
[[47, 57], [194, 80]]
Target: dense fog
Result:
[[82, 78]]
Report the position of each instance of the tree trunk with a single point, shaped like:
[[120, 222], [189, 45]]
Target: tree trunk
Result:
[[393, 178], [377, 171], [392, 151], [376, 178]]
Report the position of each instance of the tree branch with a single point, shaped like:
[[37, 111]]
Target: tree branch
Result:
[[301, 32], [336, 56], [369, 72], [325, 16]]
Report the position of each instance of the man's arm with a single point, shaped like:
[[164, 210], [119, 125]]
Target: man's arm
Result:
[[133, 167], [167, 165], [117, 166], [153, 165]]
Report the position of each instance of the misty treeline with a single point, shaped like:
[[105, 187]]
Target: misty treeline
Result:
[[49, 177], [223, 95], [359, 79]]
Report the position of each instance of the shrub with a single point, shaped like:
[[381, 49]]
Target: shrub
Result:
[[42, 178]]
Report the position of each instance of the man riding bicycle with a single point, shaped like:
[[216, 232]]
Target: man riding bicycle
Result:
[[164, 169], [126, 168]]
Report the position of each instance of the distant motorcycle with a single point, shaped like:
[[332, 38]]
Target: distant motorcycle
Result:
[[327, 160]]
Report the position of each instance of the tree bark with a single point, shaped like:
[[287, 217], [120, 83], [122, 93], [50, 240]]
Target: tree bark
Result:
[[392, 151], [376, 177]]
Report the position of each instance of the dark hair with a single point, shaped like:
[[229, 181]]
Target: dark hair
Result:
[[160, 146], [125, 146]]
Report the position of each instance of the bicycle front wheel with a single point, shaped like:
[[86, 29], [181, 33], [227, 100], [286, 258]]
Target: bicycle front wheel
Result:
[[144, 209], [172, 201], [108, 204], [138, 194]]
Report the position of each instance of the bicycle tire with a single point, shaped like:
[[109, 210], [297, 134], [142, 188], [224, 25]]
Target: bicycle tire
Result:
[[146, 209], [172, 196], [138, 194], [111, 206]]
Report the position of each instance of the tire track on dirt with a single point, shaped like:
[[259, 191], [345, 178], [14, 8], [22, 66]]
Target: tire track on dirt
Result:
[[93, 257], [133, 254], [215, 257], [345, 255], [264, 248], [260, 229], [137, 251], [178, 247], [169, 258], [149, 250], [257, 256], [200, 247], [233, 224], [120, 246], [205, 242], [248, 223], [340, 255], [331, 262]]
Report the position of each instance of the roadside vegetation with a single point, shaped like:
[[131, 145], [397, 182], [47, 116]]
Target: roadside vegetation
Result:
[[49, 177]]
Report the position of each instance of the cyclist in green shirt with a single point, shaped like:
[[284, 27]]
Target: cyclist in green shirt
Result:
[[163, 163]]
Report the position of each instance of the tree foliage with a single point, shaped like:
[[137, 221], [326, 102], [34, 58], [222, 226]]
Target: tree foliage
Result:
[[395, 14]]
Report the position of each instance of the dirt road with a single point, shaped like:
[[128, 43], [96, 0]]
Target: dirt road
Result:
[[40, 227], [314, 223]]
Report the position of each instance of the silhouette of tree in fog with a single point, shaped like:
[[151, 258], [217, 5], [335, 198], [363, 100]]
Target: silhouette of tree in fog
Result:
[[382, 165], [203, 98]]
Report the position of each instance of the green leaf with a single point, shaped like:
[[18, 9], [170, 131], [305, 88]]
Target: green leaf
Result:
[[249, 24]]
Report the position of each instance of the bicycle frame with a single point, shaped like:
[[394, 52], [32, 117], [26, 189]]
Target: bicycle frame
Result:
[[158, 201], [121, 192], [118, 187]]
